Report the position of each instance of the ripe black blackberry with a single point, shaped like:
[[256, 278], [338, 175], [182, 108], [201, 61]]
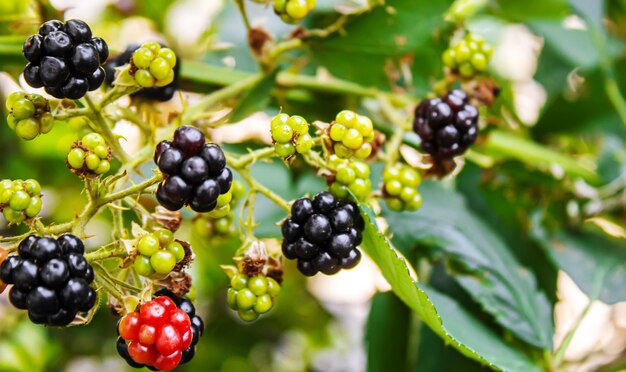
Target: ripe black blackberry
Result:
[[197, 328], [447, 126], [65, 59], [323, 234], [50, 279], [195, 171], [155, 93]]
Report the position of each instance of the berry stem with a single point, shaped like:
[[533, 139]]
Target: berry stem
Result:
[[244, 15], [193, 112], [255, 186], [106, 252], [70, 113], [251, 157], [136, 189], [105, 131], [49, 230], [113, 280], [400, 124], [106, 285]]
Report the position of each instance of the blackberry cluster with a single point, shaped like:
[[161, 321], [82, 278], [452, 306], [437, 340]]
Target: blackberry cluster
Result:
[[158, 254], [292, 11], [252, 296], [50, 279], [195, 172], [157, 93], [349, 176], [65, 59], [20, 200], [448, 125], [220, 221], [323, 234], [400, 188], [29, 115], [352, 135], [469, 56], [290, 135], [152, 65], [162, 335], [90, 156]]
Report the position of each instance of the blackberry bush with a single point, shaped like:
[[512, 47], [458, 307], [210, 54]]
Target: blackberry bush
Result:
[[195, 172], [322, 234], [20, 200], [89, 157], [29, 115], [65, 59], [447, 126], [50, 278]]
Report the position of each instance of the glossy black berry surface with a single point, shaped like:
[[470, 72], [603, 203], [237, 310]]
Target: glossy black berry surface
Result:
[[195, 171], [51, 279], [447, 126], [161, 94], [65, 59], [322, 234]]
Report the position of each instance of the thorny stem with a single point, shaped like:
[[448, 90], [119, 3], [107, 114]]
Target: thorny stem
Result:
[[103, 129], [251, 157], [400, 124], [244, 15], [255, 186]]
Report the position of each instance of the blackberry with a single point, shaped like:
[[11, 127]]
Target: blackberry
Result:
[[164, 93], [322, 234], [351, 135], [349, 176], [447, 126], [469, 56], [89, 157], [400, 188], [252, 296], [65, 59], [195, 172], [143, 350], [158, 254], [20, 200], [292, 11], [29, 115], [51, 279], [290, 135]]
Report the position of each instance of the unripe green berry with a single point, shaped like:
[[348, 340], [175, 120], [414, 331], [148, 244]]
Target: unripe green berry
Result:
[[296, 8], [479, 61], [13, 216], [273, 288], [12, 98], [219, 212], [258, 285], [19, 200], [92, 161], [222, 225], [304, 143], [239, 282], [395, 204], [407, 194], [168, 55], [245, 299], [346, 117], [11, 121], [143, 266], [463, 53], [393, 187], [263, 304], [144, 78], [104, 167], [27, 129], [23, 109], [92, 140], [46, 122], [247, 315], [163, 262], [362, 169], [177, 250], [345, 175], [343, 151], [32, 187], [238, 190], [364, 151], [352, 139], [148, 245], [34, 207], [102, 151], [284, 150], [339, 190], [142, 58], [153, 46], [282, 133], [337, 131], [224, 199], [415, 203], [231, 298], [167, 80], [466, 70], [298, 124], [159, 68], [164, 237], [76, 158]]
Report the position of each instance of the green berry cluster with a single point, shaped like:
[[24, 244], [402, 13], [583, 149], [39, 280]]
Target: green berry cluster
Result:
[[216, 223], [158, 254], [400, 188], [292, 11], [290, 135], [352, 135], [469, 56], [29, 115], [20, 200], [349, 175], [252, 296], [90, 156], [152, 65]]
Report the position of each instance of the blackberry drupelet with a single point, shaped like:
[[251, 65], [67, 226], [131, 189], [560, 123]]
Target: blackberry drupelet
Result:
[[322, 234], [65, 59], [447, 126], [51, 279], [195, 172]]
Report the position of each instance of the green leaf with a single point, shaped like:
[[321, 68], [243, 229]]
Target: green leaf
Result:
[[256, 99], [596, 262], [479, 260], [378, 39], [209, 74], [524, 10], [387, 334], [455, 326]]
